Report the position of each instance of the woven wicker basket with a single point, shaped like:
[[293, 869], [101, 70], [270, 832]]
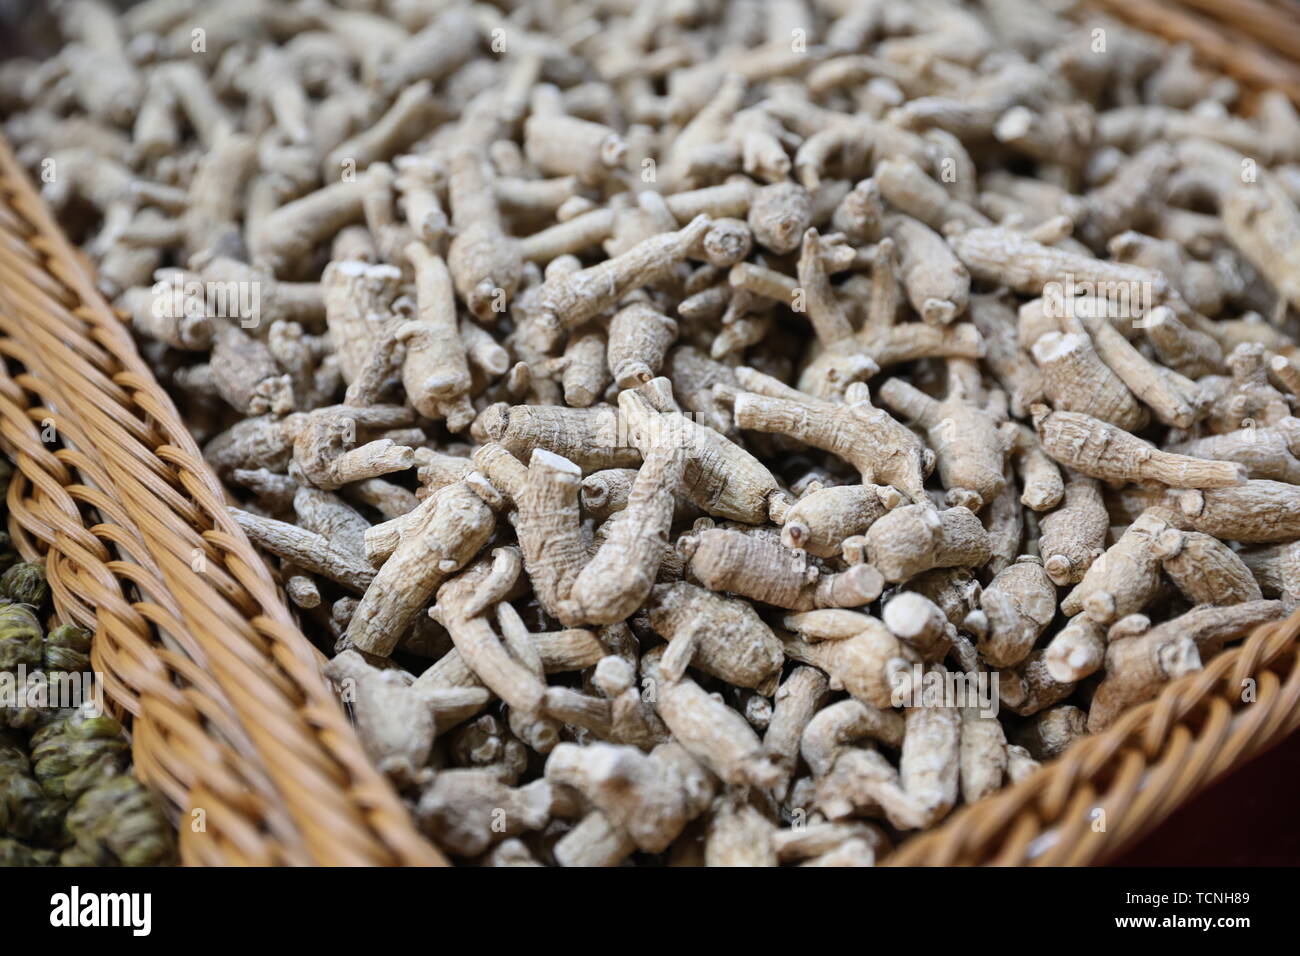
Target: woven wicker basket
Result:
[[232, 722]]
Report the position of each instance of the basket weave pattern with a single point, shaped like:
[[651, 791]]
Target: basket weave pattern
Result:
[[230, 715]]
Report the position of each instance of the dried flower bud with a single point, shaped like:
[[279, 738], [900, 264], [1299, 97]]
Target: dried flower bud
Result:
[[67, 649], [25, 583], [74, 753], [20, 637], [118, 822], [26, 810]]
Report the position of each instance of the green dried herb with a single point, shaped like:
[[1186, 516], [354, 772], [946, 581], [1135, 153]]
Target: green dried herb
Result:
[[33, 711], [25, 583], [77, 751], [67, 649], [118, 822], [21, 637], [14, 853], [26, 810]]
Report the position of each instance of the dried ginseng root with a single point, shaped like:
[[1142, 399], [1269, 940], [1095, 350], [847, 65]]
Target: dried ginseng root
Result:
[[691, 447]]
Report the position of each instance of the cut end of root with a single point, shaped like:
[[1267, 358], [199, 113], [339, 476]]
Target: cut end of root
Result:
[[1059, 569], [613, 675], [1158, 316], [890, 497], [1035, 499], [541, 458], [908, 616], [1100, 607], [728, 242], [1191, 503], [864, 584], [1167, 544], [595, 492], [939, 311], [687, 545], [1070, 663], [578, 396], [778, 506], [494, 360], [1013, 125], [854, 549], [632, 374], [1055, 345]]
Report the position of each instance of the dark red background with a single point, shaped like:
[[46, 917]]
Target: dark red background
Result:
[[1247, 819]]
